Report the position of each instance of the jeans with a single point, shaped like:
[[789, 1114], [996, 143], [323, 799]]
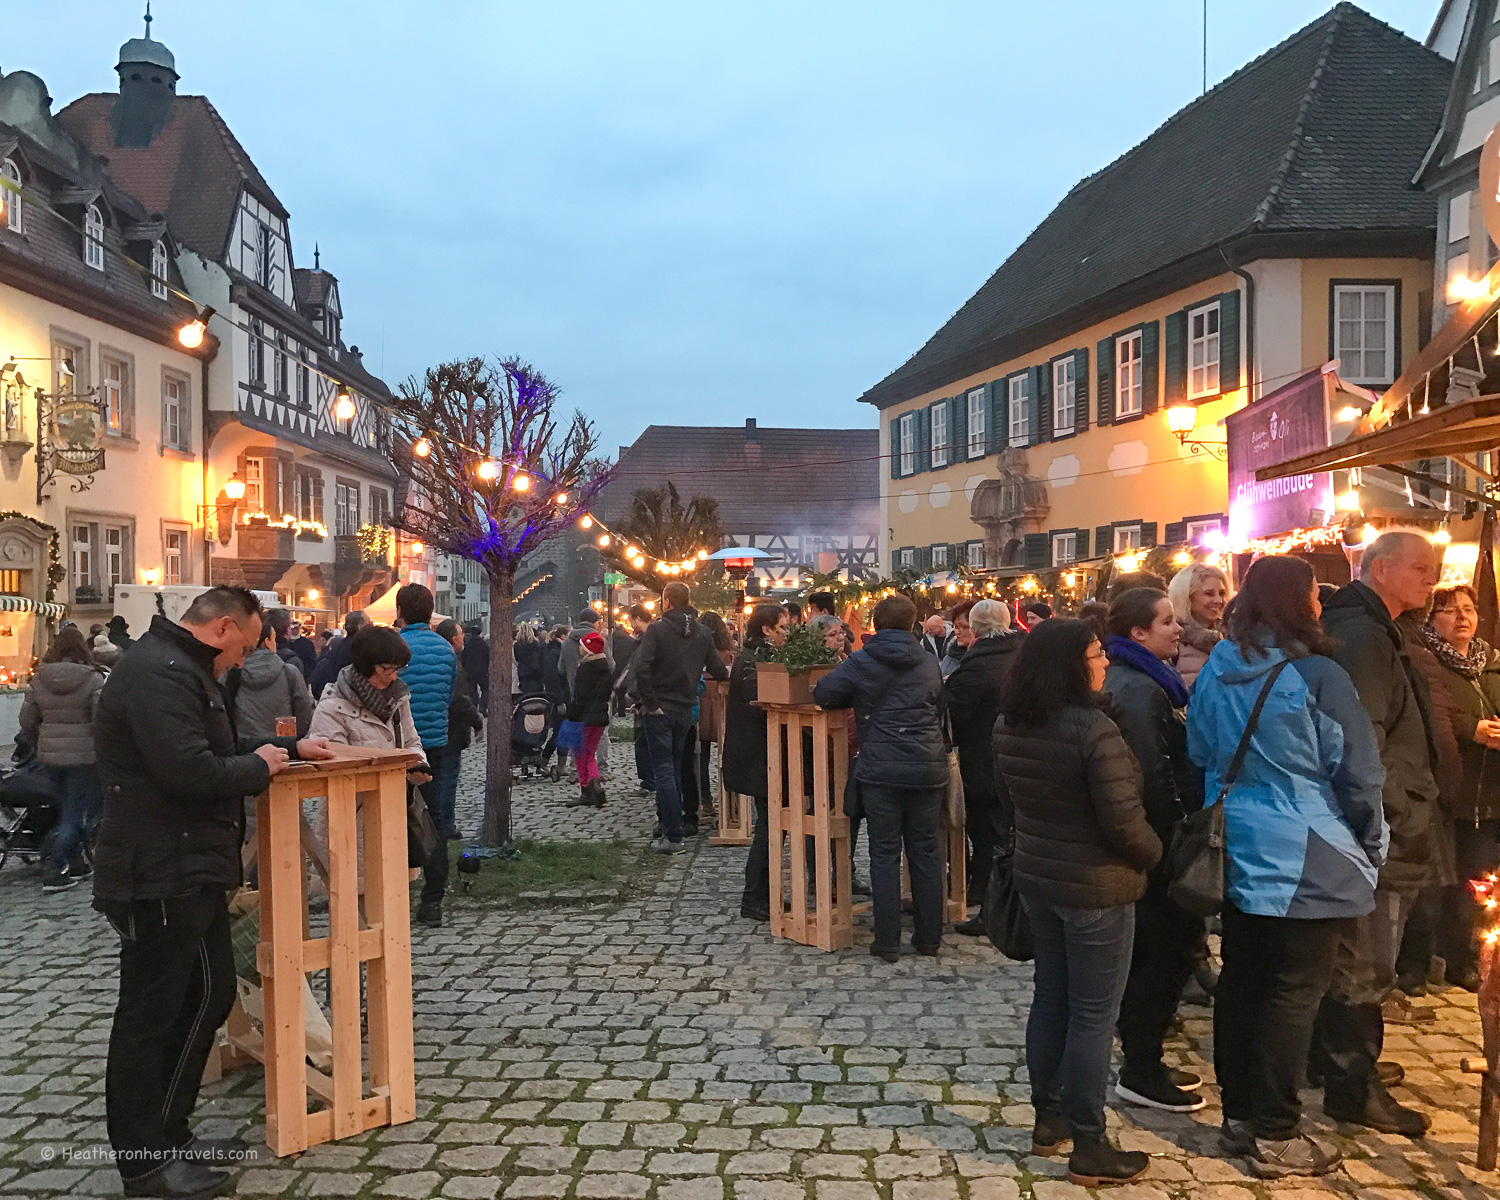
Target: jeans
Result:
[[908, 817], [446, 817], [176, 989], [1276, 970], [757, 892], [666, 735], [1082, 961], [435, 873], [643, 757], [688, 780], [588, 755], [1446, 920], [981, 823], [78, 788], [1166, 947]]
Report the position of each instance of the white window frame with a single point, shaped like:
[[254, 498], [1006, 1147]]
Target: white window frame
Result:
[[255, 484], [1204, 351], [1353, 359], [974, 556], [93, 237], [1018, 409], [302, 385], [14, 219], [1064, 396], [81, 556], [1126, 538], [906, 560], [345, 509], [940, 556], [114, 556], [1130, 359], [939, 420], [906, 434], [174, 406], [115, 382], [174, 549], [978, 423], [1196, 529], [159, 266], [1065, 548]]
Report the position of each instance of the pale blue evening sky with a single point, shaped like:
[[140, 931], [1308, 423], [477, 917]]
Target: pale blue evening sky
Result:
[[685, 213]]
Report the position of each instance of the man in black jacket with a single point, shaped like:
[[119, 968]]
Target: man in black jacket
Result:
[[1397, 573], [291, 644], [174, 776], [336, 657], [673, 654], [896, 691]]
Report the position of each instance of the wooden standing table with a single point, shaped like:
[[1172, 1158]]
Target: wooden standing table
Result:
[[736, 812], [364, 790]]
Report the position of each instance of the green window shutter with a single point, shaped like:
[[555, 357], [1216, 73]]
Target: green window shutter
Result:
[[895, 447], [1104, 540], [1148, 534], [1176, 351], [999, 411], [958, 427], [1039, 428], [924, 439], [1081, 392], [1229, 341], [1150, 366], [1104, 363], [1083, 543], [1038, 550], [924, 558], [1176, 533]]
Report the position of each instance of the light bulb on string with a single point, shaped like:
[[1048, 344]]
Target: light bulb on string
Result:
[[603, 540], [521, 482], [585, 522], [422, 447], [343, 404], [191, 335], [488, 470], [562, 498]]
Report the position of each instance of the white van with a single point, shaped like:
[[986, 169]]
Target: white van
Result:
[[138, 603]]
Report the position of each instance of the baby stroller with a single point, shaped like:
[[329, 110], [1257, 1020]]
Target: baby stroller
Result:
[[532, 731], [28, 810]]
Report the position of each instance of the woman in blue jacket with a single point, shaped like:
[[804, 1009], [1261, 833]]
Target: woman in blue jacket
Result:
[[1305, 836]]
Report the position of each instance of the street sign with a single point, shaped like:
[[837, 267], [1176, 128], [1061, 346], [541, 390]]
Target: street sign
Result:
[[614, 579]]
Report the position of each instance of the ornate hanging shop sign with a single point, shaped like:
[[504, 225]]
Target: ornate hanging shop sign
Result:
[[70, 439]]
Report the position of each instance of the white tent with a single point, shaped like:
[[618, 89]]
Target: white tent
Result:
[[382, 610]]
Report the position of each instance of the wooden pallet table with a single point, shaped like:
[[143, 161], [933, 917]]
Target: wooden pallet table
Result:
[[736, 812], [360, 788], [806, 814], [953, 847]]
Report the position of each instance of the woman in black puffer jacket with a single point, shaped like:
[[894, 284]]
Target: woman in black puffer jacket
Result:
[[1083, 847]]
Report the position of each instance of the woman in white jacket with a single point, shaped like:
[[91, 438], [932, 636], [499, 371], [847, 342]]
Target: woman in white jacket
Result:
[[367, 704]]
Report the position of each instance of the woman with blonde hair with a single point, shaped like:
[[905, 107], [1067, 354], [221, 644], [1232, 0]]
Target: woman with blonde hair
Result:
[[1198, 594]]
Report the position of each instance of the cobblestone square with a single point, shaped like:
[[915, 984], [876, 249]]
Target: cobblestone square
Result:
[[666, 1048]]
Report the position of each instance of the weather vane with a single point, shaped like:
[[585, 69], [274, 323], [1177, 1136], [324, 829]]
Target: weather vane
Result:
[[148, 20]]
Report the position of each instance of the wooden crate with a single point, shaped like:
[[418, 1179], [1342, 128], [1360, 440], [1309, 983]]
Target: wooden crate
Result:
[[807, 816], [373, 930], [736, 812]]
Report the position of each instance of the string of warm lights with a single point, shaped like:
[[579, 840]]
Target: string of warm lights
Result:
[[531, 587]]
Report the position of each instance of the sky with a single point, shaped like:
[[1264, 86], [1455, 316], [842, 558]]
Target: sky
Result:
[[683, 213]]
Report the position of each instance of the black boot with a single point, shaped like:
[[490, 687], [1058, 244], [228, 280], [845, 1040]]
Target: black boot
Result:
[[430, 914], [1097, 1164], [596, 790], [1050, 1135], [584, 799], [179, 1180], [1351, 1037]]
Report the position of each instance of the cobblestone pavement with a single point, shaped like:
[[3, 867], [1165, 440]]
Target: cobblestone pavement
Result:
[[666, 1049]]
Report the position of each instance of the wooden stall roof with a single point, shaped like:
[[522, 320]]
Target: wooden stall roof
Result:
[[1461, 429]]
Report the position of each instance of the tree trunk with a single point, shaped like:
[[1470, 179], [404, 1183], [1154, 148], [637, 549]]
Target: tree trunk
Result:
[[496, 829]]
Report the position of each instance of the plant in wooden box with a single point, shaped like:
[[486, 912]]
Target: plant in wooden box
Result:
[[792, 669]]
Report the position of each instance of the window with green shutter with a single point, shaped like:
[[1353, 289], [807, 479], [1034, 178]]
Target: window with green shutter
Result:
[[895, 448], [958, 427], [1203, 350], [1081, 390], [937, 422], [1037, 551], [1229, 342], [924, 439], [1176, 354], [1150, 366], [1018, 405], [1176, 533], [1103, 540], [1040, 390]]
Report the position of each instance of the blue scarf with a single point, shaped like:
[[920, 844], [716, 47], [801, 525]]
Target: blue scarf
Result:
[[1123, 650]]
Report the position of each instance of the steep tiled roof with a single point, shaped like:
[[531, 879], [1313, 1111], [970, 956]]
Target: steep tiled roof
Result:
[[1320, 135], [311, 287], [782, 481], [192, 171]]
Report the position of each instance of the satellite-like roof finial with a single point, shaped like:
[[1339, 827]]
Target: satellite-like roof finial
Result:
[[317, 258], [148, 20]]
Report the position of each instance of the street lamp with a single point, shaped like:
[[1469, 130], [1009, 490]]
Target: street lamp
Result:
[[234, 487], [1182, 419]]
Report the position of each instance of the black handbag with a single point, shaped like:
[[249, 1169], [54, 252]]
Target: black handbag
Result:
[[1005, 921], [1197, 856], [421, 833]]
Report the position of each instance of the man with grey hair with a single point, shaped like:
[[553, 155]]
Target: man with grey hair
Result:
[[1396, 574], [973, 693]]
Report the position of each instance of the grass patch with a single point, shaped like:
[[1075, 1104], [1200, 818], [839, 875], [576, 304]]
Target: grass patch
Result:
[[566, 870]]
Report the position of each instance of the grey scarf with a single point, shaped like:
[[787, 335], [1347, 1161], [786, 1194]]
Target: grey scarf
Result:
[[358, 690]]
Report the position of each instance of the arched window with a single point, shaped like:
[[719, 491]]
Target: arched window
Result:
[[159, 271], [12, 175], [93, 237]]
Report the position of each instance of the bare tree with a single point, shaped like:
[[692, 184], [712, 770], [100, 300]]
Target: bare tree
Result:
[[491, 476], [665, 530]]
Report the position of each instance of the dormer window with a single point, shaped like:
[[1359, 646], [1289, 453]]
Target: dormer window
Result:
[[93, 237], [331, 327], [159, 271], [12, 199]]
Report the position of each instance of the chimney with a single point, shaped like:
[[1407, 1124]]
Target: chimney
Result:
[[752, 434]]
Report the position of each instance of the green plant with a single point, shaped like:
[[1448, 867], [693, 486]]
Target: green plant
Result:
[[803, 649]]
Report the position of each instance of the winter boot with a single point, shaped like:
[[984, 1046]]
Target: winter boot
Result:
[[1098, 1164], [584, 799], [598, 793], [1050, 1135]]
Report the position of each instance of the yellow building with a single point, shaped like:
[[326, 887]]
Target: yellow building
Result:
[[101, 471], [1266, 228]]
